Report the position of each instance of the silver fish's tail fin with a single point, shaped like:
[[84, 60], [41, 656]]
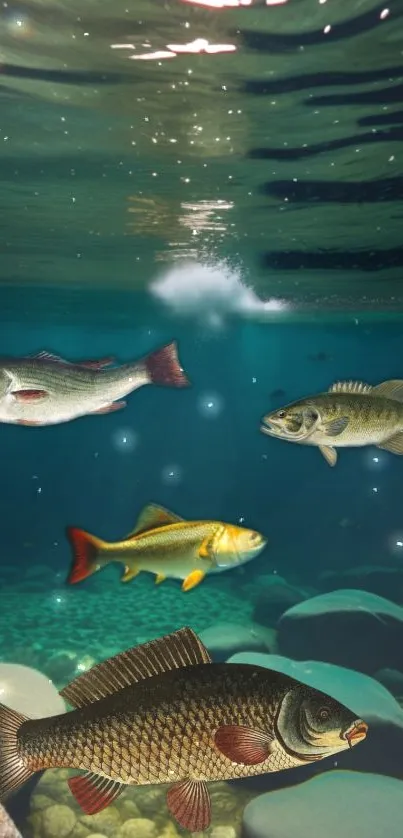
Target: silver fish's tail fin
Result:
[[86, 549], [163, 367], [13, 770]]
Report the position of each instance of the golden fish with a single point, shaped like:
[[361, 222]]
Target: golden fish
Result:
[[168, 546], [164, 713], [350, 414]]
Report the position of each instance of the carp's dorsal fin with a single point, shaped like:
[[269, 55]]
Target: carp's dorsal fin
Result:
[[152, 517], [350, 387], [390, 389], [174, 651]]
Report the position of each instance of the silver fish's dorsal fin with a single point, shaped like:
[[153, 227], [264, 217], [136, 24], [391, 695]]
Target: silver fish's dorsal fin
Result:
[[174, 651], [152, 517], [390, 390], [350, 387], [49, 356]]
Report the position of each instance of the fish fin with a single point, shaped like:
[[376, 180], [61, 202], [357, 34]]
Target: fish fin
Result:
[[13, 771], [129, 573], [206, 548], [329, 453], [152, 517], [91, 365], [96, 364], [190, 804], [109, 408], [159, 578], [390, 389], [194, 578], [174, 651], [336, 426], [350, 387], [93, 792], [29, 395], [163, 367], [242, 744], [86, 549], [394, 444]]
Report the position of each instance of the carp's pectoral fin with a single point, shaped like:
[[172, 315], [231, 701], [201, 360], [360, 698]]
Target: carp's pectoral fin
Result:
[[94, 792], [243, 744], [329, 453], [394, 444], [189, 803], [193, 579], [130, 573]]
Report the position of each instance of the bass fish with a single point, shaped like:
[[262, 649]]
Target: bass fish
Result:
[[46, 390], [168, 546], [164, 713], [351, 414]]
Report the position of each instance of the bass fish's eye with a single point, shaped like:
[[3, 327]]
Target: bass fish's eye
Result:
[[281, 414]]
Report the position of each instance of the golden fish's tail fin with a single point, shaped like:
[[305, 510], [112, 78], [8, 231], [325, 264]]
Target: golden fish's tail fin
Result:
[[86, 549], [13, 770]]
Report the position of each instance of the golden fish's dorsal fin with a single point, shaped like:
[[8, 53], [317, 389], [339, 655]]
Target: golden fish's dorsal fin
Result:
[[174, 651], [350, 387], [152, 517]]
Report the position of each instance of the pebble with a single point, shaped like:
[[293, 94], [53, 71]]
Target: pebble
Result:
[[58, 821], [137, 828]]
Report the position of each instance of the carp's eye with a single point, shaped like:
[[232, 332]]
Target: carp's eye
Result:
[[324, 714]]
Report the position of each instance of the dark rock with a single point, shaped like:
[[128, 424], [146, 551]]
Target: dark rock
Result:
[[383, 581], [272, 595], [349, 628], [225, 639]]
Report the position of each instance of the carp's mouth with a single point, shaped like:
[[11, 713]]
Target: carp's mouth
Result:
[[355, 733]]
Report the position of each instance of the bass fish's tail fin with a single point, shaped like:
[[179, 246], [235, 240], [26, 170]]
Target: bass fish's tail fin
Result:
[[163, 367], [13, 771], [86, 549]]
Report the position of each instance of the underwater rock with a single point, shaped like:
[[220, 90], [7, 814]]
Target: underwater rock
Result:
[[336, 805], [62, 666], [225, 639], [271, 596], [350, 628], [107, 821], [58, 821], [137, 828], [380, 753], [7, 827], [223, 832], [29, 691], [384, 581]]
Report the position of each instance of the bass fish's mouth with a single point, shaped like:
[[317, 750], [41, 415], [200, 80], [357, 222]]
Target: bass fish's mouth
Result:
[[356, 733], [272, 428]]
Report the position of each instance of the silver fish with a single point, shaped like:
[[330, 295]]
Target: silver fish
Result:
[[45, 389]]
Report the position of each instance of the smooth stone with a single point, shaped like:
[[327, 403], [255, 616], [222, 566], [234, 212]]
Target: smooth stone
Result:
[[58, 821], [339, 804], [383, 581], [380, 752], [138, 828], [225, 639], [350, 628], [392, 679]]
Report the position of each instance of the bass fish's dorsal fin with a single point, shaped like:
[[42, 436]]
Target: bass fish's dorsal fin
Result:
[[390, 390], [152, 517], [174, 651], [350, 387], [98, 364], [49, 356]]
